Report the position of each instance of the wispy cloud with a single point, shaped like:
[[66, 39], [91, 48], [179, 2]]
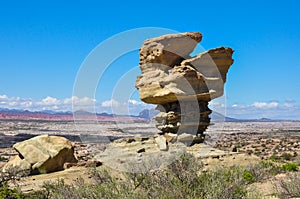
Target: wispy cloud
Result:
[[48, 103], [290, 100], [265, 105], [110, 103], [271, 109]]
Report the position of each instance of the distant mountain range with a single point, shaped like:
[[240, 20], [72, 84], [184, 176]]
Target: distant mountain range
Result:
[[217, 117], [53, 115], [146, 114]]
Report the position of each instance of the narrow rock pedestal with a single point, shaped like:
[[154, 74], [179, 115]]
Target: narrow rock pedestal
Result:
[[179, 84]]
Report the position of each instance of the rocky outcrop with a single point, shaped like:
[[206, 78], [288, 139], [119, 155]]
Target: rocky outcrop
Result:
[[42, 154], [139, 155], [144, 154], [179, 84]]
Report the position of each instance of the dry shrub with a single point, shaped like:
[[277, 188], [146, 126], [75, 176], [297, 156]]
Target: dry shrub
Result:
[[288, 187], [179, 180], [12, 176], [262, 170]]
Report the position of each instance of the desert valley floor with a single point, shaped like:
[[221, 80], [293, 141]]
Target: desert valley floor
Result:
[[254, 141], [264, 139]]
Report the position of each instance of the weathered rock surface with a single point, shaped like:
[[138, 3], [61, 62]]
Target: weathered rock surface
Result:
[[138, 155], [179, 84], [16, 164], [185, 138], [42, 154], [210, 157]]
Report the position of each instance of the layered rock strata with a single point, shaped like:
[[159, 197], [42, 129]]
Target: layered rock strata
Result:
[[180, 84]]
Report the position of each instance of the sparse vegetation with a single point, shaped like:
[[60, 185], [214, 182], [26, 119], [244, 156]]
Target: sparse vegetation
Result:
[[290, 166], [5, 191], [277, 145], [180, 180], [8, 193], [275, 158], [262, 170], [248, 176], [287, 156], [3, 159], [184, 178], [289, 187]]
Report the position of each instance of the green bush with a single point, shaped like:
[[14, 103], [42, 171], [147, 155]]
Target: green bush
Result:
[[275, 158], [223, 183], [5, 191], [248, 176], [291, 166], [262, 171]]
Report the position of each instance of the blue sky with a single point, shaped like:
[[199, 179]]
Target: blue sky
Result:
[[43, 44]]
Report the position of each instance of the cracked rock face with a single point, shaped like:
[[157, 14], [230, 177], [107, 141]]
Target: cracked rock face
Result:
[[179, 84]]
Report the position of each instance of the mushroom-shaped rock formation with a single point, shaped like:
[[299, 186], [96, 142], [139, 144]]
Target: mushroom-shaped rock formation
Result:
[[179, 84]]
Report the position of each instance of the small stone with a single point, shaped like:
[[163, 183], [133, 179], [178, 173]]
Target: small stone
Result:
[[93, 163], [162, 143], [141, 150], [198, 139], [185, 138], [170, 137], [215, 156], [233, 148]]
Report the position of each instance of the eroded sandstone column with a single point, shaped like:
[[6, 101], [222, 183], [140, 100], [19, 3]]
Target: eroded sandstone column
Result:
[[179, 84]]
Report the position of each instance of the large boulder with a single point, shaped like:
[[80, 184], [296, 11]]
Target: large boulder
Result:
[[42, 154]]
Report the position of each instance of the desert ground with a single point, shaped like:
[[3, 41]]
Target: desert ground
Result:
[[264, 139], [253, 141]]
